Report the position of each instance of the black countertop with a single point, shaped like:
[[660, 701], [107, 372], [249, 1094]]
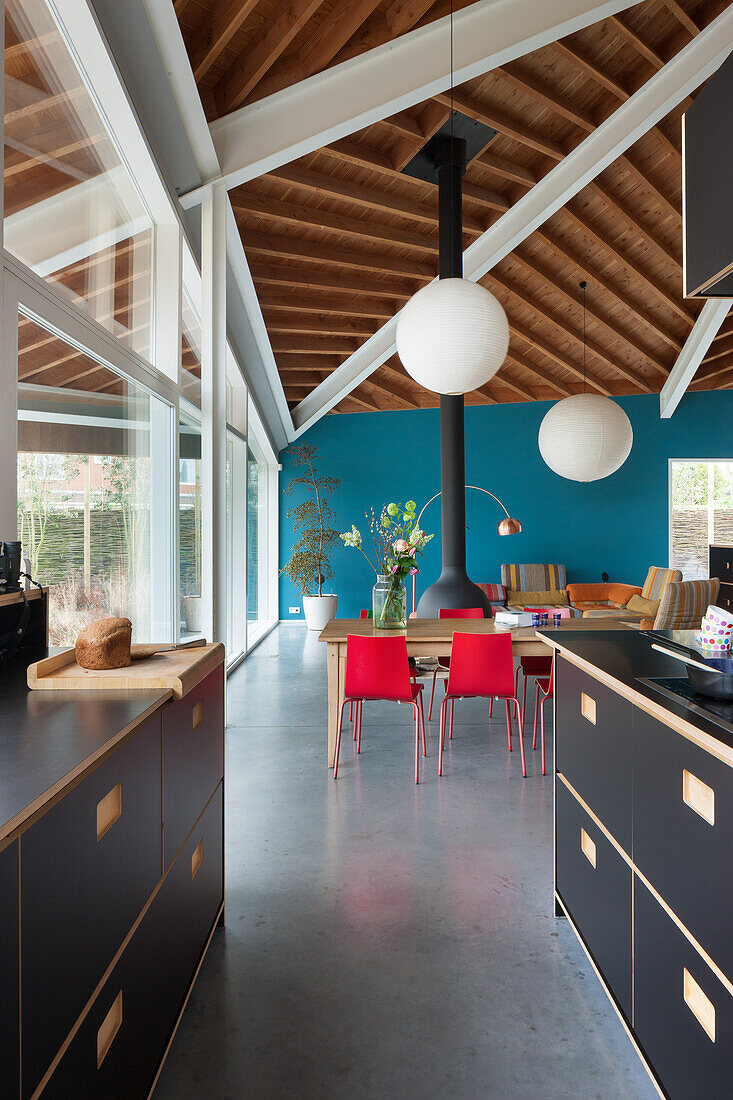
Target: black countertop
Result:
[[47, 738], [627, 656]]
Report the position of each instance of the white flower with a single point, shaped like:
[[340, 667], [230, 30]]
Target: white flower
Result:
[[352, 537]]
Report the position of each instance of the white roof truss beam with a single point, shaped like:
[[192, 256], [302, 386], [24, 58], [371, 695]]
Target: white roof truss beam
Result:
[[655, 99], [388, 79], [704, 331]]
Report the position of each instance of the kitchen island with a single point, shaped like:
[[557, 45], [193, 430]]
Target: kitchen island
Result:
[[643, 836], [111, 877]]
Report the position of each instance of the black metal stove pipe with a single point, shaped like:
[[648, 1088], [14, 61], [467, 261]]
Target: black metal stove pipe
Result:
[[452, 445], [453, 588]]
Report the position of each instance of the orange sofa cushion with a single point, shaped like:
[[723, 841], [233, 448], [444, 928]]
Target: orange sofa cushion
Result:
[[611, 594]]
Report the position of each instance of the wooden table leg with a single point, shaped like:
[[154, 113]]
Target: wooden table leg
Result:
[[335, 665]]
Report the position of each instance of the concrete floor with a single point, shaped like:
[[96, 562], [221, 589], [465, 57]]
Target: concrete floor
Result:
[[385, 940]]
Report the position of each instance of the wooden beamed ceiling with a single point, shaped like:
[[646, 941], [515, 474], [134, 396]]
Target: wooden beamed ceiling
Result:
[[338, 240]]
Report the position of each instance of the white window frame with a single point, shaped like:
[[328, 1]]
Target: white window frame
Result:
[[670, 462]]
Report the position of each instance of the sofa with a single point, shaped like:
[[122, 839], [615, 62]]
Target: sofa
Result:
[[535, 585], [683, 605], [651, 594]]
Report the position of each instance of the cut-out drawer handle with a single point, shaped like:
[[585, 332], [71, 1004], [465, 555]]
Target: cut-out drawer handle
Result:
[[588, 708], [109, 810], [698, 796], [198, 714], [197, 858], [587, 847], [701, 1007], [108, 1030]]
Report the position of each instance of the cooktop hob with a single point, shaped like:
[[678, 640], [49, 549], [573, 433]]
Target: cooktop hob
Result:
[[679, 689]]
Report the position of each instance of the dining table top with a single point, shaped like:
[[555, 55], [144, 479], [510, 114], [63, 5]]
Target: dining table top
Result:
[[442, 630]]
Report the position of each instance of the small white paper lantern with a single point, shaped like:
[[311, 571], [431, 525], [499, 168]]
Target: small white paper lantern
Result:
[[452, 336], [585, 437]]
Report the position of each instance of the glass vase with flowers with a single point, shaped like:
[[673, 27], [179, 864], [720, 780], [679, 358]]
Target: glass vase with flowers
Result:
[[397, 542]]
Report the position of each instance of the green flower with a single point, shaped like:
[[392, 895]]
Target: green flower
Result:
[[408, 516], [392, 510], [352, 537], [385, 522], [410, 506]]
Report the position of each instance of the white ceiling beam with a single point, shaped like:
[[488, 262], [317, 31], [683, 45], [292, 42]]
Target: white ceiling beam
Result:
[[704, 331], [169, 41], [345, 98], [655, 99]]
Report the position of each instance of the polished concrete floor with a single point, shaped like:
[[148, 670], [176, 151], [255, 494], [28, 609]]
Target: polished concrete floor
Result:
[[385, 940]]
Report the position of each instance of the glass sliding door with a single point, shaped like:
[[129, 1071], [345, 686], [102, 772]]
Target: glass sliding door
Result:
[[191, 612], [86, 485], [236, 544]]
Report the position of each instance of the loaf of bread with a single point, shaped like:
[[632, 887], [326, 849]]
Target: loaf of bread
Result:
[[104, 644]]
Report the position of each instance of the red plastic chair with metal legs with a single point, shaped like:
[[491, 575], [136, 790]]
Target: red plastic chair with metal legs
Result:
[[366, 614], [444, 662], [532, 667], [377, 668], [546, 687], [481, 667]]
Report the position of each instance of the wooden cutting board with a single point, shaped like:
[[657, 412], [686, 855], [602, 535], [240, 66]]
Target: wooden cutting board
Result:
[[176, 670]]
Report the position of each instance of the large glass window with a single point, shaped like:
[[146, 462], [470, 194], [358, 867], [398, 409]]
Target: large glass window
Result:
[[85, 484], [701, 512], [72, 211], [189, 526], [256, 537]]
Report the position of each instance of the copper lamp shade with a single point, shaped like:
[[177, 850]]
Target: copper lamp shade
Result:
[[509, 526]]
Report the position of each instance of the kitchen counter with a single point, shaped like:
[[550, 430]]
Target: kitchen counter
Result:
[[111, 873], [49, 739], [622, 660], [643, 830]]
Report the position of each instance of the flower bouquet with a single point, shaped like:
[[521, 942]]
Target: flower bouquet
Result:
[[397, 542]]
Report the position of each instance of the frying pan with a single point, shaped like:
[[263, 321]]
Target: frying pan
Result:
[[711, 676]]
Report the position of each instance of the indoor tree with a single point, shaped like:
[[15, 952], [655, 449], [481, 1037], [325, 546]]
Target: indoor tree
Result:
[[308, 566]]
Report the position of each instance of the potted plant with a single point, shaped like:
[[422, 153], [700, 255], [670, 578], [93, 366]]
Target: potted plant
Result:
[[308, 566], [397, 542]]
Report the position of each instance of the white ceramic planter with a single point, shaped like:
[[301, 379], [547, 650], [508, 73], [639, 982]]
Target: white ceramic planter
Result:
[[318, 610]]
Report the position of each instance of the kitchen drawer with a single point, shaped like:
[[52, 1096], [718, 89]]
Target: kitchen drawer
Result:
[[594, 883], [9, 975], [135, 1012], [725, 597], [683, 824], [721, 563], [683, 1016], [87, 868], [593, 746], [193, 757]]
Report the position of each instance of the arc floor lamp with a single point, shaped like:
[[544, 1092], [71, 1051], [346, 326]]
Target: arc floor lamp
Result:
[[506, 526]]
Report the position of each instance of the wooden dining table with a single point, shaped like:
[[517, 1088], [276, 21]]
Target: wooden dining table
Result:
[[429, 638]]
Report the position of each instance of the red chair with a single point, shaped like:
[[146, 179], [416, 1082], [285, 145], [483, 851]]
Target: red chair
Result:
[[444, 662], [547, 689], [366, 614], [377, 668], [481, 667], [536, 668]]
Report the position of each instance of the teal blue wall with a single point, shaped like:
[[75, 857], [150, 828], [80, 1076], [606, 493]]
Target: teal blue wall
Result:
[[618, 525]]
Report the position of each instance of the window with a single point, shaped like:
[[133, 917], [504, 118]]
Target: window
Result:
[[189, 526], [85, 485], [701, 512], [72, 211]]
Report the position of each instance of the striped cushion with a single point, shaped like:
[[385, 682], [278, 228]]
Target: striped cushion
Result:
[[656, 581], [534, 578], [495, 593], [684, 603]]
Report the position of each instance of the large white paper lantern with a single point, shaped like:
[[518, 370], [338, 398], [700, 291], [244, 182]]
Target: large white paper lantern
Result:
[[452, 336], [585, 437]]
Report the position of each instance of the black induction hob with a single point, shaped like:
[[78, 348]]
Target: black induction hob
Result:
[[678, 688]]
